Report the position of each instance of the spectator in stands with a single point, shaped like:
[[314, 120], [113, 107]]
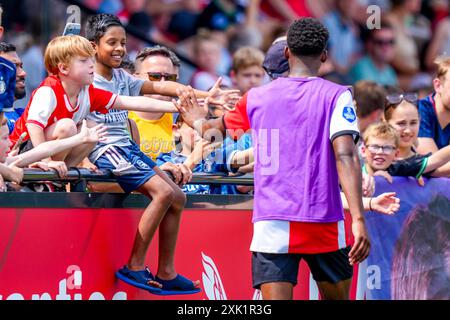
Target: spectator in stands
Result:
[[191, 150], [1, 25], [369, 101], [206, 53], [384, 145], [375, 65], [177, 18], [8, 52], [7, 84], [345, 45], [7, 79], [247, 71], [407, 25], [50, 115], [440, 44], [32, 57], [221, 15], [434, 132], [156, 64], [275, 63]]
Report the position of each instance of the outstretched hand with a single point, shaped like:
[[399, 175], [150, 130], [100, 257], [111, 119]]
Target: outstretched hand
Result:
[[386, 203], [224, 98], [95, 134], [188, 106]]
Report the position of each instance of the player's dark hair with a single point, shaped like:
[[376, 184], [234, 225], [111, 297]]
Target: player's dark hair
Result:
[[307, 37], [97, 25]]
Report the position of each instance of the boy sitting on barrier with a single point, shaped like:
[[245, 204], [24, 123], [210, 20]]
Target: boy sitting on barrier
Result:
[[381, 147], [134, 170], [45, 149]]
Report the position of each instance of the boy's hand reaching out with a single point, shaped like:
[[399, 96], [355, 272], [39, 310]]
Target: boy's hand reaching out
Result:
[[189, 108], [386, 203], [91, 135], [225, 98]]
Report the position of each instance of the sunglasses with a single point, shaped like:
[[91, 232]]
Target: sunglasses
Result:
[[381, 42], [386, 149], [157, 76], [396, 99]]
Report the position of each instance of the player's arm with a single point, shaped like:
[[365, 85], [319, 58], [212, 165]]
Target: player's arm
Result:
[[194, 115], [349, 170], [343, 129]]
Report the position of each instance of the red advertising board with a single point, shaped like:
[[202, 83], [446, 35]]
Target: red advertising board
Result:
[[73, 253]]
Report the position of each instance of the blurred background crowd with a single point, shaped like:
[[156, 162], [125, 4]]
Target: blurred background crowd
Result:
[[208, 32]]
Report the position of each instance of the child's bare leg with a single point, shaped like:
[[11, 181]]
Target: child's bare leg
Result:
[[64, 128], [162, 196], [168, 232], [80, 152]]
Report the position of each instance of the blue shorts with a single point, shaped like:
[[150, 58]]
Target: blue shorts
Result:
[[131, 167]]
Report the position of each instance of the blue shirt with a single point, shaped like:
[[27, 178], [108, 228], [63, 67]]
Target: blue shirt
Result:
[[230, 148], [175, 157], [7, 84], [365, 69], [12, 116], [429, 123], [344, 42]]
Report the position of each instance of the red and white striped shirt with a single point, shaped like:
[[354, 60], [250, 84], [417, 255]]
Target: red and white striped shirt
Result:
[[49, 103]]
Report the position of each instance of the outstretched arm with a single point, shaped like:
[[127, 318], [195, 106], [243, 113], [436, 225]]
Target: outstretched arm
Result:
[[216, 96], [50, 148], [143, 104], [385, 203], [438, 160], [194, 115]]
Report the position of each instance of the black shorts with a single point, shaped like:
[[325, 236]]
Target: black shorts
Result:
[[329, 267]]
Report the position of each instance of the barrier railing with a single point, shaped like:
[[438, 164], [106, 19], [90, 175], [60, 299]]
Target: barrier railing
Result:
[[76, 175]]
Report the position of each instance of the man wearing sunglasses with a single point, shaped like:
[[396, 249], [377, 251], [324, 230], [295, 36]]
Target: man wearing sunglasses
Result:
[[374, 66], [156, 64]]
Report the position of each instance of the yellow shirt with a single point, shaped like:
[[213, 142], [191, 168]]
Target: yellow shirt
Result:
[[156, 135]]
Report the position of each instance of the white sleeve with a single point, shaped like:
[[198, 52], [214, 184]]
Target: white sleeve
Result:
[[343, 119], [42, 106]]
